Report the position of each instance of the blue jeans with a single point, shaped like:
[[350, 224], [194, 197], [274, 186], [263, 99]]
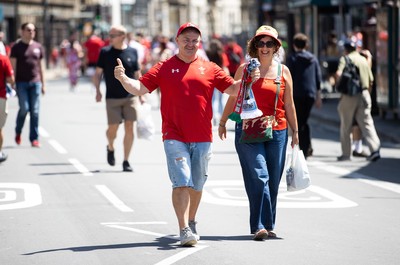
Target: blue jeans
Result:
[[262, 167], [29, 101], [187, 163]]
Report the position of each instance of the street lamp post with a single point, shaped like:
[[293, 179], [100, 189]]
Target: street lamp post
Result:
[[46, 33], [16, 20]]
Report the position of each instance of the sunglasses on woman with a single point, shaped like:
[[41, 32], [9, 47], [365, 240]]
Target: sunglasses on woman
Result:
[[269, 44]]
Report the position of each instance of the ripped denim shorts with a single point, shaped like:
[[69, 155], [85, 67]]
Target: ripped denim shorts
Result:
[[187, 163]]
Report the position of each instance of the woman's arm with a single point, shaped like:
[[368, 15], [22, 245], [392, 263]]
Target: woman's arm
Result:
[[289, 106]]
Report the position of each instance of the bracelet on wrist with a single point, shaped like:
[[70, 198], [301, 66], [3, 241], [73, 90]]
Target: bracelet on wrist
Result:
[[220, 125]]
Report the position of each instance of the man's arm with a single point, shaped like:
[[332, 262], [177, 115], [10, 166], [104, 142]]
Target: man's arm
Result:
[[42, 76], [96, 80], [234, 88], [13, 62], [133, 86]]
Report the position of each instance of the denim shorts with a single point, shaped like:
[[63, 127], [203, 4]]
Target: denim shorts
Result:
[[187, 163]]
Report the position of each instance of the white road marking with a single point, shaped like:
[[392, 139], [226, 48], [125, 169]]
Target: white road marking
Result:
[[43, 132], [145, 232], [30, 195], [334, 200], [81, 168], [8, 195], [394, 187], [232, 193], [57, 146], [170, 260], [135, 223], [180, 255], [111, 197]]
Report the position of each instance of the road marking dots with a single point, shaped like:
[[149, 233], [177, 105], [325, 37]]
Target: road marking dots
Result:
[[19, 195], [113, 199]]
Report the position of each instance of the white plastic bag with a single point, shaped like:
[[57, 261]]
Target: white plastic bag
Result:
[[145, 128], [297, 174]]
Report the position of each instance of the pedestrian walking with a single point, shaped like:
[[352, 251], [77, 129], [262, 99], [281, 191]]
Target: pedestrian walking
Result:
[[120, 105], [6, 76], [186, 82], [357, 107], [73, 58], [92, 47], [263, 163], [235, 55], [215, 53], [306, 75], [26, 59], [357, 145]]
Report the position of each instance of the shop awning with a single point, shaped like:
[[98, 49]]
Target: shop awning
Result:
[[301, 3], [326, 3]]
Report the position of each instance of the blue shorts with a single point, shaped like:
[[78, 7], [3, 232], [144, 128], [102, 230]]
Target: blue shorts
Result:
[[187, 163]]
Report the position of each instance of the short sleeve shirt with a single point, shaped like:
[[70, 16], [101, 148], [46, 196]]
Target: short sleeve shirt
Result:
[[186, 96], [5, 71], [28, 57], [93, 46], [108, 60]]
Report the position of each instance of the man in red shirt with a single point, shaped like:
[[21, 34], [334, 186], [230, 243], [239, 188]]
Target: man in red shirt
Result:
[[92, 51], [6, 76], [235, 55], [186, 84]]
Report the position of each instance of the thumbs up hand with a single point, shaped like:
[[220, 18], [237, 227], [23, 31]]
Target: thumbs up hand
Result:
[[119, 70]]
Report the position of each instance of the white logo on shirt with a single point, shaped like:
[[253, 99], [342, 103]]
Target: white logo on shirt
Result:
[[201, 68], [175, 71]]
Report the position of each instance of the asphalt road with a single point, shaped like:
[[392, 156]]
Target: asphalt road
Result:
[[63, 204]]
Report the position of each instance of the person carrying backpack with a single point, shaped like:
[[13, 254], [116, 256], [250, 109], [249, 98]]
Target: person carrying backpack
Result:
[[355, 103]]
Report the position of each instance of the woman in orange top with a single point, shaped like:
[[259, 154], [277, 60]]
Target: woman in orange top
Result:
[[263, 163]]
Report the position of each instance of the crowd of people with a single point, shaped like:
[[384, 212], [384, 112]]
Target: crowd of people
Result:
[[190, 79]]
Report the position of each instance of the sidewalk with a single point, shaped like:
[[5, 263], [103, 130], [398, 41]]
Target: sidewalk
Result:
[[55, 73], [388, 129]]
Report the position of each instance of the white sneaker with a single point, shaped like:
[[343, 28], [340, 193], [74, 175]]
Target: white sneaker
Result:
[[192, 225], [187, 237], [3, 157]]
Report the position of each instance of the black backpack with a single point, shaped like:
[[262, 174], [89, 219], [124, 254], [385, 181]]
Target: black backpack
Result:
[[349, 82]]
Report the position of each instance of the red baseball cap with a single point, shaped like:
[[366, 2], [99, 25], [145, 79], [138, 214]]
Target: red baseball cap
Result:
[[187, 25]]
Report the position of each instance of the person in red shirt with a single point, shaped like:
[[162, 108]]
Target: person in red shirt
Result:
[[263, 162], [6, 76], [92, 51], [186, 84], [235, 55]]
